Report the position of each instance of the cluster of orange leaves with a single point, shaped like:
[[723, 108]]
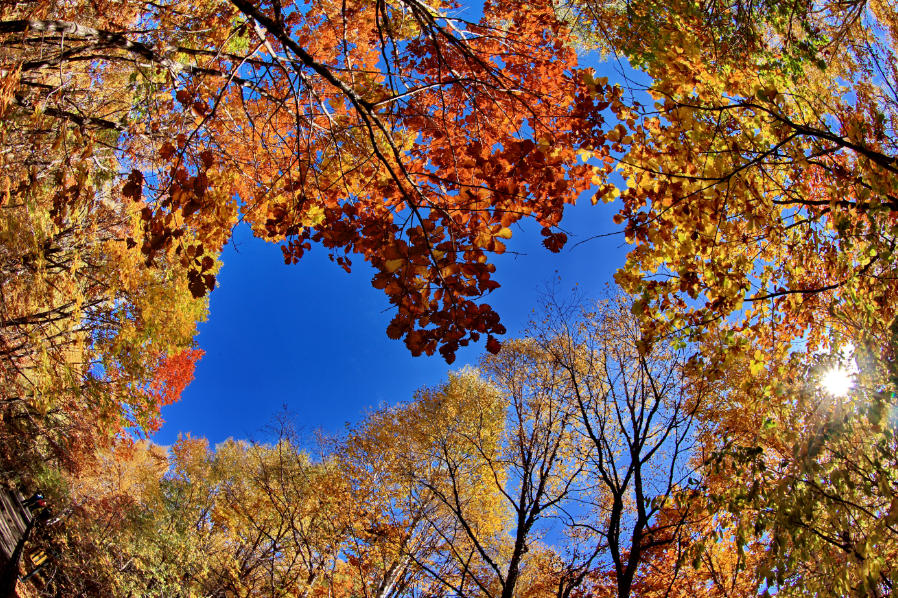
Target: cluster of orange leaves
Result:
[[422, 174], [171, 376]]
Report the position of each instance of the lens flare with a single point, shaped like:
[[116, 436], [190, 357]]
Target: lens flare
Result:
[[837, 382]]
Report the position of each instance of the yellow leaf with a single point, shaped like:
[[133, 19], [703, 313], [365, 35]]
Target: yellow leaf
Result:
[[393, 265]]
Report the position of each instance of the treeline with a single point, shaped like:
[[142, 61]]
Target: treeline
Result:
[[569, 463], [674, 439], [572, 463]]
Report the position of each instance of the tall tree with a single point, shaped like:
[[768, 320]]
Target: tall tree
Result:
[[84, 328], [809, 473], [636, 406], [243, 519], [577, 426], [759, 169], [88, 336]]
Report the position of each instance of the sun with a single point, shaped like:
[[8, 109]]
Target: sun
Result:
[[837, 382]]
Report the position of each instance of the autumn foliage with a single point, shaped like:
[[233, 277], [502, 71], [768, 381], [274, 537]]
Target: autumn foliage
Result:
[[675, 438], [172, 375], [413, 138]]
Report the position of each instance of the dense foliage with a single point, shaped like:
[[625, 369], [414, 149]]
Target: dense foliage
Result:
[[676, 438]]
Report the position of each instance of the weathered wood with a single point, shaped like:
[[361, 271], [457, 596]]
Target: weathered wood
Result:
[[15, 524], [14, 520]]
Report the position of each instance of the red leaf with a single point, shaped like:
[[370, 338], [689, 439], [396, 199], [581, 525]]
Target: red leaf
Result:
[[554, 241]]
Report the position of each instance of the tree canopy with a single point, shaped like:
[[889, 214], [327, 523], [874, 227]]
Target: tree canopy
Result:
[[680, 436]]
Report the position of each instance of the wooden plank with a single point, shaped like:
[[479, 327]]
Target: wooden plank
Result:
[[14, 520]]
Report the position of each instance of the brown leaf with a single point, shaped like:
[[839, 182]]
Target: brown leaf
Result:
[[133, 188], [207, 158], [195, 284], [167, 151]]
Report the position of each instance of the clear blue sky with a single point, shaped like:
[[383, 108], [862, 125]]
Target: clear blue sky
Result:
[[312, 337]]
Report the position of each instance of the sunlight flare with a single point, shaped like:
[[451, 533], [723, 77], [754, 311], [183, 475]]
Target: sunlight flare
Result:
[[838, 382]]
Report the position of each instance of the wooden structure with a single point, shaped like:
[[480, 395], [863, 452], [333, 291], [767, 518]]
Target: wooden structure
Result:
[[14, 520]]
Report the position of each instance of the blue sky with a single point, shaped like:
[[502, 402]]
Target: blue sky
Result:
[[312, 337]]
